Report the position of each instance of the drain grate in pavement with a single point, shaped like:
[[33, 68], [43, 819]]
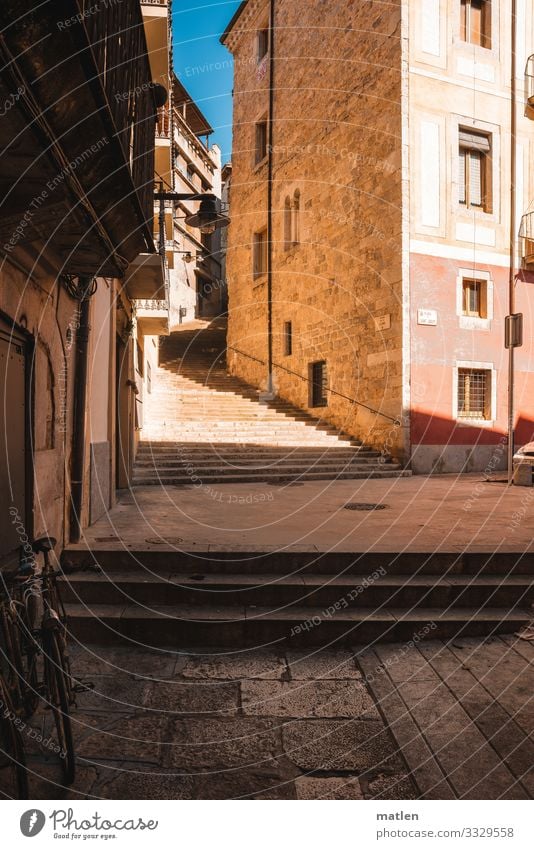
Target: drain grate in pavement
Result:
[[357, 505], [161, 541]]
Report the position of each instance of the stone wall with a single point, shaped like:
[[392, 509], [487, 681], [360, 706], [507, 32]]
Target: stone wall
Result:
[[337, 142]]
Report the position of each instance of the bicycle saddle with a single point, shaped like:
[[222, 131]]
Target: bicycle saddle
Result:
[[43, 544]]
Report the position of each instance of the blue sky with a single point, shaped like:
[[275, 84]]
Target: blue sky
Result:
[[203, 65]]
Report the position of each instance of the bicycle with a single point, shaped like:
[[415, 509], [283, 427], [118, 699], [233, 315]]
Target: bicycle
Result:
[[13, 772], [35, 595]]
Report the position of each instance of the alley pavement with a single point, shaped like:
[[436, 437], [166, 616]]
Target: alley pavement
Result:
[[428, 720], [438, 513]]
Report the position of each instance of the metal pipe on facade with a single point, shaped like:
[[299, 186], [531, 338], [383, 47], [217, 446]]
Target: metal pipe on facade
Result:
[[513, 245], [270, 386]]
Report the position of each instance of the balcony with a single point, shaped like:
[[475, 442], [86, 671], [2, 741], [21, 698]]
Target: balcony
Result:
[[152, 317], [86, 196], [526, 235], [529, 85]]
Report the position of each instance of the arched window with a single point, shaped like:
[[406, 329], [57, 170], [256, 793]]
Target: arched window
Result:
[[287, 224], [295, 237]]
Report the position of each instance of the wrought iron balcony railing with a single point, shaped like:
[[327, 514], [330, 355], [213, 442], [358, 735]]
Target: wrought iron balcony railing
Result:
[[529, 81], [152, 305], [526, 235]]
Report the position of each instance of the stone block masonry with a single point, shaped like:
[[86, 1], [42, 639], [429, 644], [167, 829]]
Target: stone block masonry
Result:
[[337, 275]]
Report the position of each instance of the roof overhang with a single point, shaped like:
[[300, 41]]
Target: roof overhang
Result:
[[65, 183], [145, 277]]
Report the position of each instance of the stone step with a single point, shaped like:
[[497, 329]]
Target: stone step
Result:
[[251, 453], [228, 476], [278, 442], [211, 462], [168, 559], [406, 591], [239, 626]]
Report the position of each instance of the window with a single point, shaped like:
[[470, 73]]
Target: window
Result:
[[262, 43], [296, 218], [148, 377], [318, 384], [139, 359], [287, 223], [191, 174], [260, 143], [474, 177], [474, 393], [260, 253], [475, 22], [292, 221], [288, 339], [474, 298]]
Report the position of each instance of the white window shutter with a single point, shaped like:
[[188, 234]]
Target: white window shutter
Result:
[[461, 176], [475, 178]]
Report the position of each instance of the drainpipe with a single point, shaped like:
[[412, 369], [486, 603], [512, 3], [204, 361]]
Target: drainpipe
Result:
[[511, 279], [270, 387], [80, 400]]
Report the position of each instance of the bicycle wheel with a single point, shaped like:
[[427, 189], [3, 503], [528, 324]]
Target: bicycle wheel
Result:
[[28, 612], [57, 689], [14, 663], [13, 774]]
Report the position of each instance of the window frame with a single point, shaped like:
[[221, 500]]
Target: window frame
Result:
[[288, 338], [473, 322], [262, 43], [259, 253], [466, 24], [490, 414], [484, 149], [318, 393], [261, 150]]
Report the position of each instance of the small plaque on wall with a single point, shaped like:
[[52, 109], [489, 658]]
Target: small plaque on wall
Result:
[[428, 317], [382, 322]]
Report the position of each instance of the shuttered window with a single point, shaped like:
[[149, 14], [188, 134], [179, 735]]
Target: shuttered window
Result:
[[474, 172], [475, 22]]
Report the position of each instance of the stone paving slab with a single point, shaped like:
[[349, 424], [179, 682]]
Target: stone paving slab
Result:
[[253, 724], [307, 699], [461, 713]]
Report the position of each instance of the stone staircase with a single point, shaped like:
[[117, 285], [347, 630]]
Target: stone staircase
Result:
[[201, 424], [237, 599]]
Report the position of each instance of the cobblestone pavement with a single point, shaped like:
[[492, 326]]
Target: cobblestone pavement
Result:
[[462, 713], [261, 725], [253, 725]]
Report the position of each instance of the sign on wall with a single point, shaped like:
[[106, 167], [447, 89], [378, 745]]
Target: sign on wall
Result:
[[428, 317]]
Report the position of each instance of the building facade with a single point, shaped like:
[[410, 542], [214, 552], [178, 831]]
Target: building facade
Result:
[[368, 257], [77, 254], [196, 286]]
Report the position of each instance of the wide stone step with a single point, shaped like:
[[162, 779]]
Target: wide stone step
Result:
[[288, 466], [159, 557], [252, 454], [165, 479], [383, 591], [238, 626]]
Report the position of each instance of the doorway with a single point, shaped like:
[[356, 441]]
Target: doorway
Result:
[[16, 518]]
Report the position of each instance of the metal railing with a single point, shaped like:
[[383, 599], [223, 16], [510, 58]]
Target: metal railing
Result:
[[526, 234], [529, 81], [150, 304], [328, 389], [163, 123]]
